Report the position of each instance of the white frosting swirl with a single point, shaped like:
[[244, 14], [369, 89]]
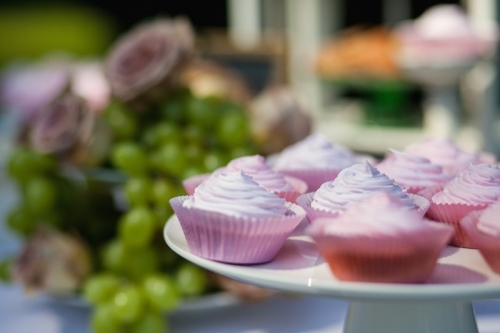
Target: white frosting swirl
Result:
[[256, 167], [380, 214], [354, 184], [445, 153], [477, 185], [489, 220], [410, 170], [237, 194], [315, 152]]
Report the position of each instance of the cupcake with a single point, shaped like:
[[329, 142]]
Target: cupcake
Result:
[[472, 189], [315, 160], [286, 187], [354, 184], [413, 172], [380, 240], [231, 218], [483, 230], [445, 153]]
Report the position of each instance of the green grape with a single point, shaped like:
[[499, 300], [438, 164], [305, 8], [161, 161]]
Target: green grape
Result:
[[21, 221], [242, 151], [163, 191], [114, 256], [193, 171], [191, 280], [170, 159], [141, 262], [130, 157], [100, 289], [128, 304], [232, 130], [21, 165], [161, 291], [214, 160], [194, 153], [200, 112], [173, 110], [163, 213], [137, 226], [162, 133], [5, 268], [150, 323], [120, 119], [138, 190], [103, 319], [40, 195]]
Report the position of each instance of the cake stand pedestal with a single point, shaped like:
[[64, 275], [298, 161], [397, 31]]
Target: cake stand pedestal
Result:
[[442, 305]]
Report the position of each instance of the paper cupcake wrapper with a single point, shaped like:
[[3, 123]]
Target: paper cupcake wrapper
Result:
[[451, 214], [387, 259], [488, 245], [306, 200], [313, 178], [236, 240], [191, 183], [312, 214]]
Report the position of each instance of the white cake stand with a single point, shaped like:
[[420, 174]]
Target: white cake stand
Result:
[[442, 305]]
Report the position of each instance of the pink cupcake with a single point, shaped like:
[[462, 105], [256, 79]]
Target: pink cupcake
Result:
[[380, 240], [472, 189], [231, 218], [353, 184], [445, 153], [315, 160], [483, 230], [413, 172], [286, 187]]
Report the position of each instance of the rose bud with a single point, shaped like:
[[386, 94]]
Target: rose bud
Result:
[[148, 58], [52, 262], [67, 128]]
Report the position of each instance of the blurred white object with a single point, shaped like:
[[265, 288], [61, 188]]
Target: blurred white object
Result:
[[89, 82]]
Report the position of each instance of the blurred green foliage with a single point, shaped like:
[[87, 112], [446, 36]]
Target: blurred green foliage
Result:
[[31, 31]]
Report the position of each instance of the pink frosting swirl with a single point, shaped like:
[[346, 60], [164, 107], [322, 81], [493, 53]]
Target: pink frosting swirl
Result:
[[256, 167], [489, 222], [354, 184], [477, 185], [237, 194], [315, 152], [380, 214], [445, 153], [410, 170]]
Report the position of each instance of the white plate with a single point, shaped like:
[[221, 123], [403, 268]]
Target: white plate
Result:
[[461, 274]]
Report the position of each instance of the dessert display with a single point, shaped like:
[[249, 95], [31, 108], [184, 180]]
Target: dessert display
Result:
[[412, 172], [315, 160], [231, 218], [286, 187], [353, 184], [380, 240], [475, 188], [483, 229]]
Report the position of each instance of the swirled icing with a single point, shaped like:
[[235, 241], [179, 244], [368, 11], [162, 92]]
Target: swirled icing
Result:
[[380, 214], [315, 152], [256, 167], [445, 153], [356, 183], [411, 170], [477, 185], [489, 220], [237, 194]]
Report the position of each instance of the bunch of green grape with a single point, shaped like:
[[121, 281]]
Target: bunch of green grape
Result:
[[140, 277]]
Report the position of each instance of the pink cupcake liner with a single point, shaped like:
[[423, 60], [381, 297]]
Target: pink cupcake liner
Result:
[[451, 214], [299, 188], [387, 259], [306, 200], [236, 240], [312, 214], [313, 178], [488, 245], [191, 183]]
